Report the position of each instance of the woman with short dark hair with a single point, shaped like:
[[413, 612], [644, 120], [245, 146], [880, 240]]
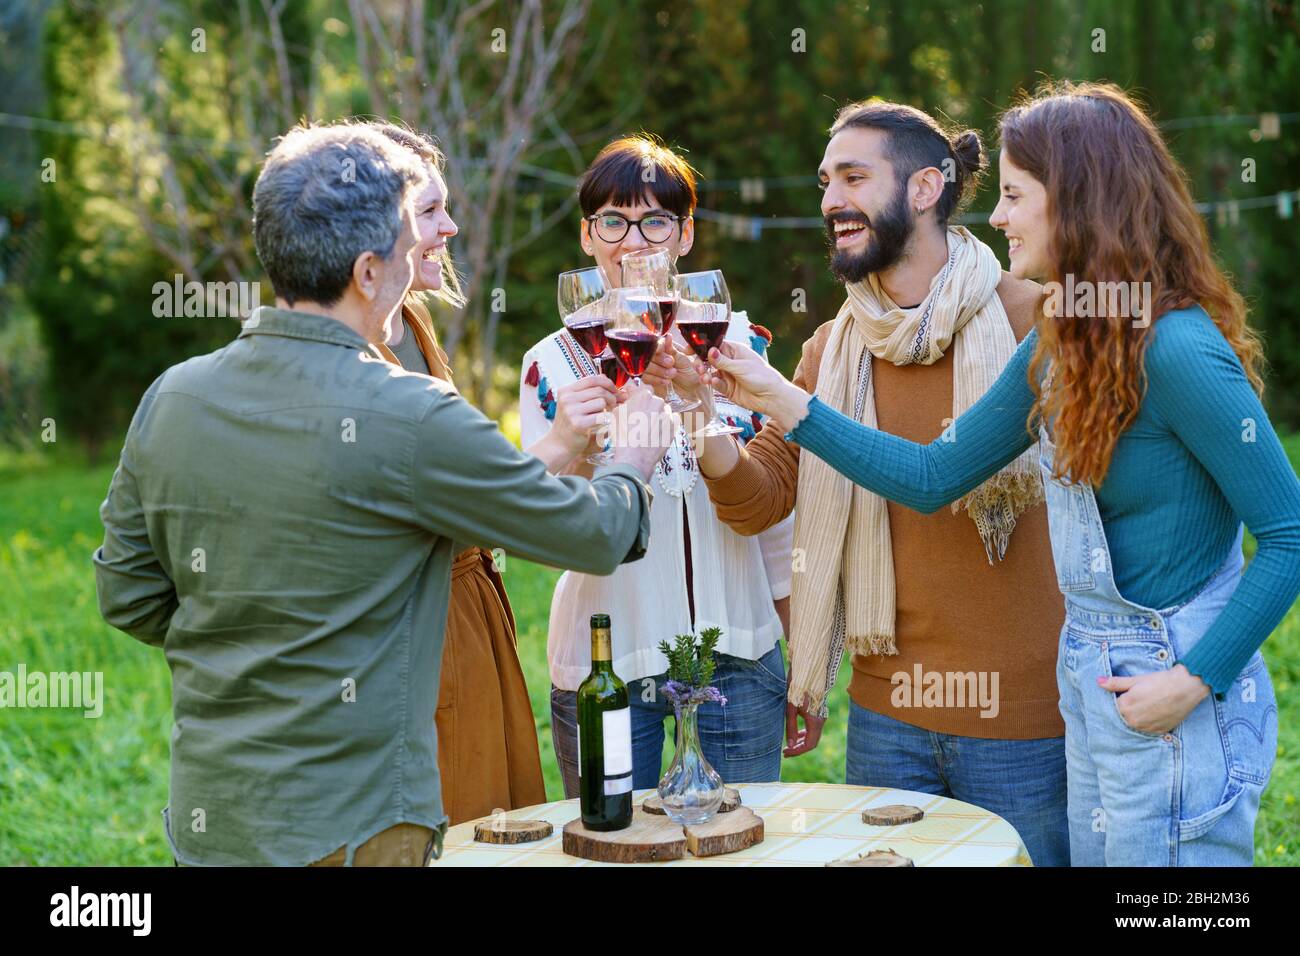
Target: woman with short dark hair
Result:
[[637, 195]]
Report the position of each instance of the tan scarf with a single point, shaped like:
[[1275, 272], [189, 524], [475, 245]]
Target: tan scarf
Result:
[[843, 595]]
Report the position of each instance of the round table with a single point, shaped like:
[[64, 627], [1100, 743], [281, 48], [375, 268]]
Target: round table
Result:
[[804, 824]]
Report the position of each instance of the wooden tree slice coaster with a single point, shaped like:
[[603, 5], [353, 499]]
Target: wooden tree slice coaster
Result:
[[892, 815], [730, 800], [512, 831], [725, 833], [647, 840], [652, 838], [875, 858]]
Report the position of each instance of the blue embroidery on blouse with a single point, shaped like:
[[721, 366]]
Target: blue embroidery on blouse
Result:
[[546, 399]]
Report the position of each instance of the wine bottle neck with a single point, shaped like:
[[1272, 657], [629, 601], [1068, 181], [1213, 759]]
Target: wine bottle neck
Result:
[[602, 649]]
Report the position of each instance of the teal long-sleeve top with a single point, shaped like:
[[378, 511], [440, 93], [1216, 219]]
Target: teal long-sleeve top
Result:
[[1200, 456]]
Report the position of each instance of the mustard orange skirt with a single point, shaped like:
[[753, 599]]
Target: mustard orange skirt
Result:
[[487, 740]]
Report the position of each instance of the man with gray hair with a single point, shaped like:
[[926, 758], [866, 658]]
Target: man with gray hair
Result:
[[282, 524]]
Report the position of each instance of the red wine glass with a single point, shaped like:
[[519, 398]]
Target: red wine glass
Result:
[[653, 268], [581, 297], [633, 324], [703, 317]]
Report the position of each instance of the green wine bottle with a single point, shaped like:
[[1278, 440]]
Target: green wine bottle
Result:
[[604, 738]]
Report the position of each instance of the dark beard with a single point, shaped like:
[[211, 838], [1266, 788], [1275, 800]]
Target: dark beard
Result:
[[890, 230]]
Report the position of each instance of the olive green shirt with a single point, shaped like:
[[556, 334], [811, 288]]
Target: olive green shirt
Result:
[[281, 524]]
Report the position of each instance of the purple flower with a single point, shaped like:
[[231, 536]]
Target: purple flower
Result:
[[712, 693], [682, 694]]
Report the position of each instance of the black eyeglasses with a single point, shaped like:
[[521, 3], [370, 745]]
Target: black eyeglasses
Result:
[[612, 227]]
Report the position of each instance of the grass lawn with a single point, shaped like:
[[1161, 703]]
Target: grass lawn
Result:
[[75, 791]]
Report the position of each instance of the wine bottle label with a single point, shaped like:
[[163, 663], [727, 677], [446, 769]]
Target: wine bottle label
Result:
[[617, 785], [618, 744]]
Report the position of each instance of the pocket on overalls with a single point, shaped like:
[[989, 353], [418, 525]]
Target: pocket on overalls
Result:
[[1200, 825], [1248, 723], [1133, 659]]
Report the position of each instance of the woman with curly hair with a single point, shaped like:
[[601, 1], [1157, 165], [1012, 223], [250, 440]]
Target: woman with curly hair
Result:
[[1141, 384]]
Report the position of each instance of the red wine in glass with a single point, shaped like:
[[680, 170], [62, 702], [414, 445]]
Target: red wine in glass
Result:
[[580, 295], [704, 335], [590, 335], [634, 349], [668, 310], [610, 368], [703, 315]]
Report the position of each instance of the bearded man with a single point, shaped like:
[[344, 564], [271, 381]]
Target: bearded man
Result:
[[953, 618]]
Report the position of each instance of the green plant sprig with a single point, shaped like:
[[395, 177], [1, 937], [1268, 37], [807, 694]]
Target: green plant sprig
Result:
[[690, 659]]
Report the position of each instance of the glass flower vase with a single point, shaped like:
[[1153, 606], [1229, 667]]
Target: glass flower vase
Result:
[[691, 790]]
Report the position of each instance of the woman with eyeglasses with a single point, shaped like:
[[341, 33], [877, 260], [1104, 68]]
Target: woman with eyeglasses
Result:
[[697, 572]]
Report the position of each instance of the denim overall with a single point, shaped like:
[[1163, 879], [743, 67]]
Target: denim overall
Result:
[[1184, 798]]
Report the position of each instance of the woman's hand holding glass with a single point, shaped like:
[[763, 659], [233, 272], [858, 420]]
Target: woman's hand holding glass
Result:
[[582, 413], [663, 369], [675, 364], [739, 373]]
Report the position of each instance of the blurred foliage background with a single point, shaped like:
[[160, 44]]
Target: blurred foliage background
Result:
[[133, 132]]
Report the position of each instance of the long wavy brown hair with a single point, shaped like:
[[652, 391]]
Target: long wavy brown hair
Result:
[[1120, 210]]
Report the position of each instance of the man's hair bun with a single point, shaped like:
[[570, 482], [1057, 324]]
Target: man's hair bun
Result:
[[969, 151]]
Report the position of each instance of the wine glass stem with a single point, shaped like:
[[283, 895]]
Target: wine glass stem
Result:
[[670, 393]]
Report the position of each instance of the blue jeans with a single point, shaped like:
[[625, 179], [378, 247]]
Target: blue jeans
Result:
[[1022, 781], [742, 740], [1184, 798]]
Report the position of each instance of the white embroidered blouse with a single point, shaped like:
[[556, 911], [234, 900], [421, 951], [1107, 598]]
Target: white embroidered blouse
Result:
[[735, 578]]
